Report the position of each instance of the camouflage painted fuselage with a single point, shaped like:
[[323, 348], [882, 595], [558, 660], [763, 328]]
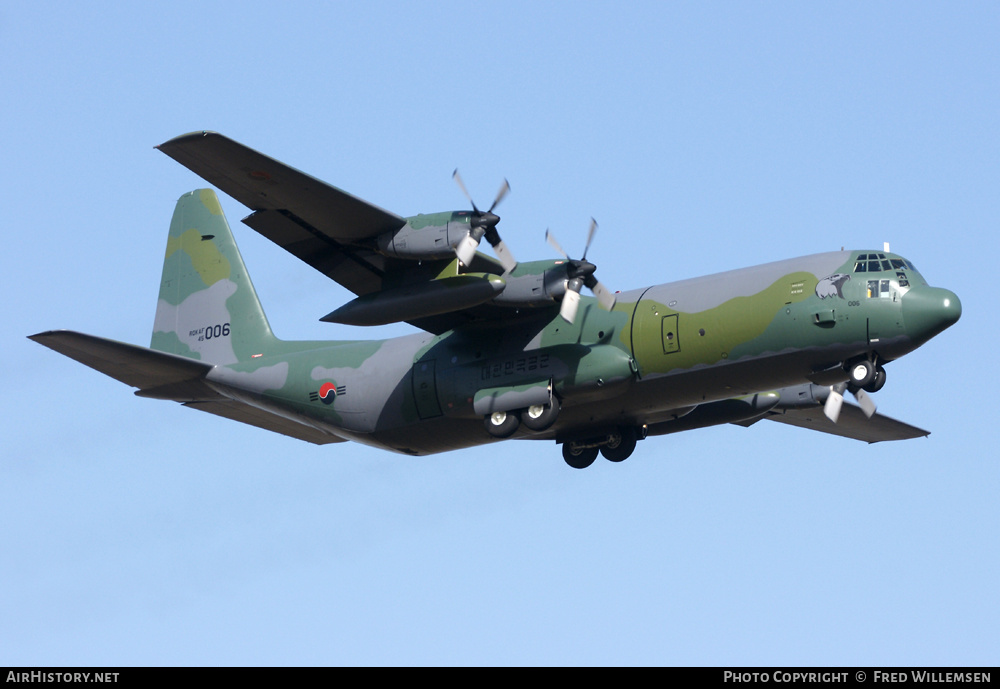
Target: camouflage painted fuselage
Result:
[[662, 351], [667, 357]]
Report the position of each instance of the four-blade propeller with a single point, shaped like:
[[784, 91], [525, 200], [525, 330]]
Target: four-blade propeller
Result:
[[835, 400], [484, 224], [580, 273]]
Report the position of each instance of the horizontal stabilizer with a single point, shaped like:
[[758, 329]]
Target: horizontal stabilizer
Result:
[[139, 367], [245, 413], [852, 423], [161, 375]]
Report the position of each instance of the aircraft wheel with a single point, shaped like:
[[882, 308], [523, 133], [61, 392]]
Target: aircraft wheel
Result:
[[502, 424], [579, 459], [862, 373], [877, 382], [621, 446], [540, 416]]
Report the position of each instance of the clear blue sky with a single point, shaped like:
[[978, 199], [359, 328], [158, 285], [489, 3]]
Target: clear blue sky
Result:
[[702, 136]]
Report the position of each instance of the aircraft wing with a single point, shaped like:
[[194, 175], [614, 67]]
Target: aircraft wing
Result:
[[316, 222], [852, 424], [265, 184], [307, 217]]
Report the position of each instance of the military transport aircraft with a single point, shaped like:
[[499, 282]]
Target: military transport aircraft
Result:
[[509, 349]]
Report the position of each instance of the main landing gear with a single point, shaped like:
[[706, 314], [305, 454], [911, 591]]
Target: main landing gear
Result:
[[502, 424], [616, 446], [538, 417]]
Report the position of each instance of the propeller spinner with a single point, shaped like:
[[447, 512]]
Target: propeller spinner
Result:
[[484, 224], [580, 273]]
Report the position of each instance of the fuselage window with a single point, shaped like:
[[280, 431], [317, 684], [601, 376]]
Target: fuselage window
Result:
[[879, 289]]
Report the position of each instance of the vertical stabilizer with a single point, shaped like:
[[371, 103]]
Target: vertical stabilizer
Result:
[[208, 308]]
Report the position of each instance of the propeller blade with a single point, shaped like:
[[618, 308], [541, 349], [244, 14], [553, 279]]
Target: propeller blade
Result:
[[570, 305], [551, 239], [605, 297], [506, 257], [484, 224], [834, 402], [466, 249], [500, 194], [461, 185], [590, 238], [866, 403], [581, 272]]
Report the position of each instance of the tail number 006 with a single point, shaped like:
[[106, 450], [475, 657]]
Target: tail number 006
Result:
[[217, 330]]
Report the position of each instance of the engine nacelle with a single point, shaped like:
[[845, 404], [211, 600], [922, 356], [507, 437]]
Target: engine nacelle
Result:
[[427, 236], [536, 284]]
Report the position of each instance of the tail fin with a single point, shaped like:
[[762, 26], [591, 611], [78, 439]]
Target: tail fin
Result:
[[208, 308]]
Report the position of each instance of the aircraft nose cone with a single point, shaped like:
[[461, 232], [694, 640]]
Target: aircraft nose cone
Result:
[[929, 310]]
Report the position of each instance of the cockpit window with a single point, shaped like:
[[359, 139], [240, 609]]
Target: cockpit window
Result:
[[874, 263]]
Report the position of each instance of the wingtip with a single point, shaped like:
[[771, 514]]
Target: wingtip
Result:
[[38, 337], [183, 138]]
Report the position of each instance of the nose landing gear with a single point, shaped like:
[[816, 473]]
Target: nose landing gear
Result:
[[878, 381], [862, 372], [866, 375]]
